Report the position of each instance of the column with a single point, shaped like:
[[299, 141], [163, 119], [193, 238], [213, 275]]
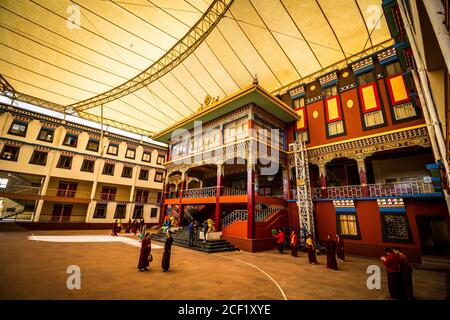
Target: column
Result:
[[218, 193], [362, 176], [180, 207], [323, 179], [40, 203], [250, 200], [92, 203], [286, 184], [165, 190]]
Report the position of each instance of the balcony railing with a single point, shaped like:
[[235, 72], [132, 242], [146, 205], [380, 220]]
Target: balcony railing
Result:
[[236, 215], [200, 192], [227, 191]]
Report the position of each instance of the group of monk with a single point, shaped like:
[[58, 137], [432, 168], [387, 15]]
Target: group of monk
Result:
[[130, 227], [145, 256], [399, 274], [333, 248]]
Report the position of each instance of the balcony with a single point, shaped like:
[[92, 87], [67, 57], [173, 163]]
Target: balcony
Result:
[[377, 190]]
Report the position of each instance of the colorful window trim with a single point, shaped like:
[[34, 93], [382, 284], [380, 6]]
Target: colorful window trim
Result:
[[301, 124], [404, 96], [338, 110], [370, 100]]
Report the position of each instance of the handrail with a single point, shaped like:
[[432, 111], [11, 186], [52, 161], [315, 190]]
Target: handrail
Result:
[[236, 215], [200, 192]]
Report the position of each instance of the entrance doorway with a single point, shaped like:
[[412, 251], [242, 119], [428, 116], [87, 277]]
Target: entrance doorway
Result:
[[434, 235]]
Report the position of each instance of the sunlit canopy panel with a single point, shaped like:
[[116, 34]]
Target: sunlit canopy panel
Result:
[[281, 42]]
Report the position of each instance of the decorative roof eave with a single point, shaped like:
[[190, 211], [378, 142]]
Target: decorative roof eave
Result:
[[286, 112]]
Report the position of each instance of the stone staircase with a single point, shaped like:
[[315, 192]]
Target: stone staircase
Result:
[[181, 239]]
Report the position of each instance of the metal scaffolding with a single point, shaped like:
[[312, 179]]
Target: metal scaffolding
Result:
[[303, 187], [180, 51]]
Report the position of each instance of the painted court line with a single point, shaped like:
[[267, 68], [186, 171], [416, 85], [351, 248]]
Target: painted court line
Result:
[[79, 239]]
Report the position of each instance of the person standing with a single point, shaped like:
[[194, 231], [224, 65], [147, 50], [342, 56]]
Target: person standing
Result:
[[392, 261], [294, 243], [196, 228], [280, 237], [142, 224], [340, 248], [119, 226], [311, 250], [114, 229], [406, 273], [205, 230], [331, 253], [191, 233], [166, 256], [146, 249]]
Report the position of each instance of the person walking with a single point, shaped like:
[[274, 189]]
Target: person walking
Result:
[[205, 230], [146, 249], [280, 237], [392, 261], [294, 243], [406, 274], [191, 233], [340, 248], [311, 250], [165, 264], [331, 253]]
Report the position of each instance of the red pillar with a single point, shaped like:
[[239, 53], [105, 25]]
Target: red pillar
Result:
[[251, 203], [218, 192], [180, 207]]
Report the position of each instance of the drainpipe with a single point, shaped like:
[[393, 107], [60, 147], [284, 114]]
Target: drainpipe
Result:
[[429, 104], [435, 11]]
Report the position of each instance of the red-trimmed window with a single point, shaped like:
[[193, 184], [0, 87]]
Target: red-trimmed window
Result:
[[301, 126], [371, 105], [402, 106], [333, 112]]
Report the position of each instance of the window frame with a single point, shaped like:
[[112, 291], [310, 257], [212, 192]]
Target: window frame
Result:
[[141, 207], [124, 206], [69, 134], [149, 156], [103, 205], [160, 157], [157, 174], [134, 153], [38, 152], [127, 168], [384, 231], [338, 225], [140, 174], [58, 165], [45, 129], [21, 123], [112, 145], [16, 158], [85, 161], [91, 140], [107, 165], [151, 213]]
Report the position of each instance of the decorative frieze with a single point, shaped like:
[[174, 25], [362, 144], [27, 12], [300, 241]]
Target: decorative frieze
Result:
[[390, 203]]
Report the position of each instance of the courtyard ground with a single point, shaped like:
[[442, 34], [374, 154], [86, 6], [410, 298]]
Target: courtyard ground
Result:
[[31, 267]]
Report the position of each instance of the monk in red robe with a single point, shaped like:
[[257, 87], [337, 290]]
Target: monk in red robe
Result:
[[392, 261], [311, 250], [331, 253], [406, 272], [146, 249], [340, 248], [280, 237], [114, 229], [294, 243], [167, 248]]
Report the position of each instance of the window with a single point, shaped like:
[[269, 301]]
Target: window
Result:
[[113, 149], [108, 193], [395, 227], [330, 92], [161, 159], [131, 153], [336, 128], [374, 118], [127, 172], [10, 153], [154, 213], [143, 174], [138, 212], [347, 225], [108, 169], [298, 102], [46, 134], [120, 211], [366, 78], [393, 69], [3, 183], [88, 165], [141, 196], [404, 111], [92, 145], [39, 158], [64, 162], [267, 191], [100, 210], [158, 177], [70, 140], [18, 128], [146, 157], [302, 136], [67, 189], [235, 130], [159, 197]]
